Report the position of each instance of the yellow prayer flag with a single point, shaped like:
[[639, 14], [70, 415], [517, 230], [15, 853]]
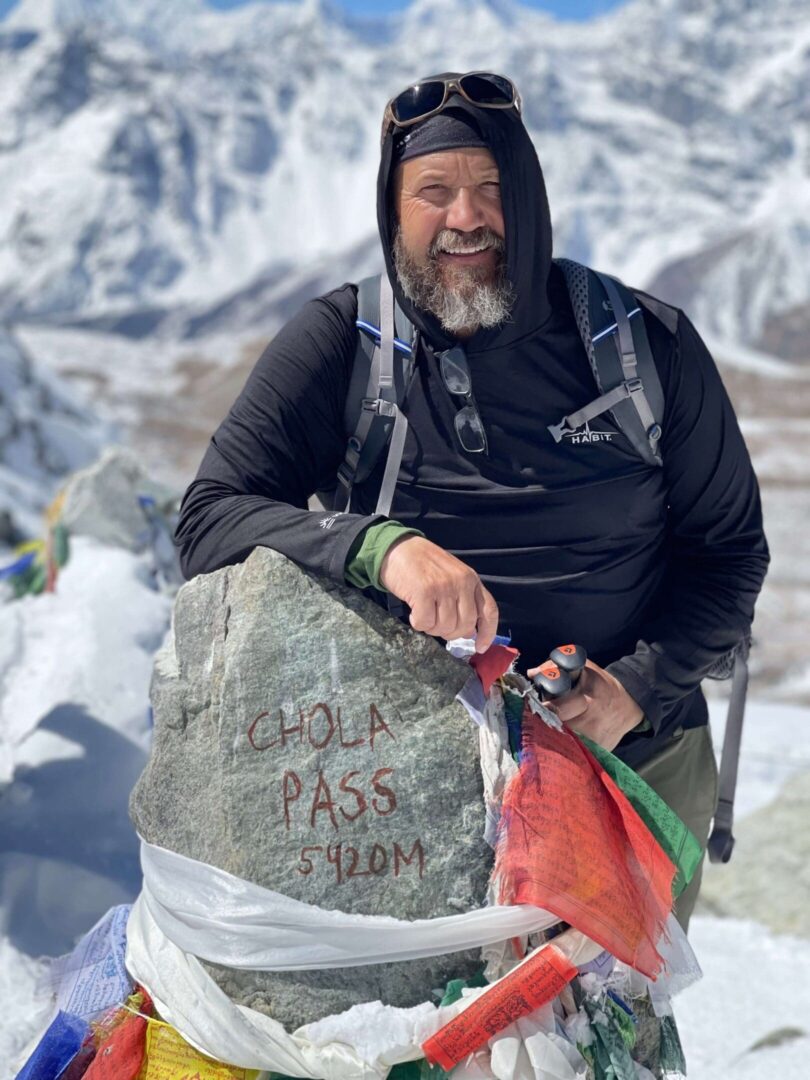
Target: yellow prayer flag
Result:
[[169, 1057]]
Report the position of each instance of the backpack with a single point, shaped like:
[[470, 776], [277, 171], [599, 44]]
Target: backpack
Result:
[[611, 325], [612, 331]]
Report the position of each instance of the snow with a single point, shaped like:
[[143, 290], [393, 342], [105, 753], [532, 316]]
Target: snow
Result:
[[776, 745], [54, 650], [374, 1029], [74, 729], [754, 984], [747, 359], [44, 434], [144, 164], [23, 1010]]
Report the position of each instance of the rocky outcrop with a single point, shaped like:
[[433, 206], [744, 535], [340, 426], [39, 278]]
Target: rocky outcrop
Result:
[[307, 741], [111, 500], [768, 879]]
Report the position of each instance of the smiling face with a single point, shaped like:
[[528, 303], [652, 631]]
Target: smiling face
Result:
[[449, 246]]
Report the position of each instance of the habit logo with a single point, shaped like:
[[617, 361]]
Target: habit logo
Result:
[[586, 434]]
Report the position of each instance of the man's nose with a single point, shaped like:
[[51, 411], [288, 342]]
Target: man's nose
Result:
[[465, 212]]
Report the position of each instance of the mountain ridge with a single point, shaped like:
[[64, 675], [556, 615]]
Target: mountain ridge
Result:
[[173, 155]]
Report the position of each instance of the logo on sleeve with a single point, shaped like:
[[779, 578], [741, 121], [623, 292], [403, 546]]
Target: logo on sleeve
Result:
[[328, 522]]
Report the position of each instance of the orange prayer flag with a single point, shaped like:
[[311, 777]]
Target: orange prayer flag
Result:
[[537, 980], [572, 843]]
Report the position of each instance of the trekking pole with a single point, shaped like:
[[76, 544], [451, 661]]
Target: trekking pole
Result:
[[570, 658], [560, 672]]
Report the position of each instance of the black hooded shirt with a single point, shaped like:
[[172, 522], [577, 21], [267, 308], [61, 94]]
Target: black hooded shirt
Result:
[[654, 570]]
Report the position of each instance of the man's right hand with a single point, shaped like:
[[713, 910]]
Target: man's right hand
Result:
[[445, 595]]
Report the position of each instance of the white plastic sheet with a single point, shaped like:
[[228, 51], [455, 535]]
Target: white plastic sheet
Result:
[[497, 765], [531, 1048], [188, 909], [187, 997], [227, 920], [681, 968]]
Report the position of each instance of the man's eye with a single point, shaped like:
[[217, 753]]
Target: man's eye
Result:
[[492, 185]]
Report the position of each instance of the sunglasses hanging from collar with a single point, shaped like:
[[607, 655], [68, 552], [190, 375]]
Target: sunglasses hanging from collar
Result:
[[469, 427]]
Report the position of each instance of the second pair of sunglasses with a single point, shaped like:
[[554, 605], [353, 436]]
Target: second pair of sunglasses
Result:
[[469, 427]]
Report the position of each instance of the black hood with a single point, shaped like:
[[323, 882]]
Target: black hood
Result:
[[527, 221]]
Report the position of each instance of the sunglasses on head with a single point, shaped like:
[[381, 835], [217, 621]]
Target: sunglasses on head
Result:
[[483, 89]]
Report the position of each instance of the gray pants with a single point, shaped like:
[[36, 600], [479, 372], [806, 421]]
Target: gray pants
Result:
[[684, 774]]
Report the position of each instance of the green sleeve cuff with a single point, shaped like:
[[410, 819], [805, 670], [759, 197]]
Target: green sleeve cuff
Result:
[[366, 554]]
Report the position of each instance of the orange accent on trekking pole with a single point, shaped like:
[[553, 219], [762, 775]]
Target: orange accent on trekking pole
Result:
[[549, 669]]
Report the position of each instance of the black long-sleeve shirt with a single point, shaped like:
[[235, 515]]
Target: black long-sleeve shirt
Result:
[[654, 570]]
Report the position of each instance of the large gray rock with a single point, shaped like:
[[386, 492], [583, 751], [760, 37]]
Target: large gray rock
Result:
[[104, 500], [307, 741], [768, 878]]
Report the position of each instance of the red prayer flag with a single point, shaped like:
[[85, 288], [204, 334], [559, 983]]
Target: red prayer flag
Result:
[[493, 663], [572, 843], [120, 1056]]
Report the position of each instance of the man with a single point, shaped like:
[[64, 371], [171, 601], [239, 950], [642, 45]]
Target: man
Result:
[[654, 570]]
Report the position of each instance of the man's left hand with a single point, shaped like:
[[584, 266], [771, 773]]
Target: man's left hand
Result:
[[598, 706]]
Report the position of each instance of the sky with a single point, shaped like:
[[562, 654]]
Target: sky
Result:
[[569, 9]]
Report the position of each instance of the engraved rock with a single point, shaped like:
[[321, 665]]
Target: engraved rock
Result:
[[307, 741]]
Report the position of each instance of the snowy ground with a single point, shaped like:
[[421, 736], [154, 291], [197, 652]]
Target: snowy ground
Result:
[[74, 731], [754, 990]]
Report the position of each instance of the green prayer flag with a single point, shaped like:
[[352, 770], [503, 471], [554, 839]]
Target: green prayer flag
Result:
[[671, 1052], [61, 544], [454, 988], [416, 1070], [679, 844], [609, 1054]]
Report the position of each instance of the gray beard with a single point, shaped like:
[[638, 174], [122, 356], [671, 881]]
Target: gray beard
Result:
[[468, 302]]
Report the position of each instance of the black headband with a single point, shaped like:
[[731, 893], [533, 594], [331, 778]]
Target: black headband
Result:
[[444, 131]]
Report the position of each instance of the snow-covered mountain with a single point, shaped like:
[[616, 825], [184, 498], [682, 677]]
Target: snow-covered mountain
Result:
[[157, 159]]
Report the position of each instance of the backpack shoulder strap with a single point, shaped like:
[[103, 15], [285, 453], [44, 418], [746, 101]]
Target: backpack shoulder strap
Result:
[[721, 841], [612, 329], [615, 338], [381, 370]]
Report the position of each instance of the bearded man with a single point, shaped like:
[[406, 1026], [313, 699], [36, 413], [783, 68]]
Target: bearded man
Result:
[[654, 570]]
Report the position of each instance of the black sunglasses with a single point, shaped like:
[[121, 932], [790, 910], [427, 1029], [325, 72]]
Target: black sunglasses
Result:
[[481, 88], [456, 377]]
